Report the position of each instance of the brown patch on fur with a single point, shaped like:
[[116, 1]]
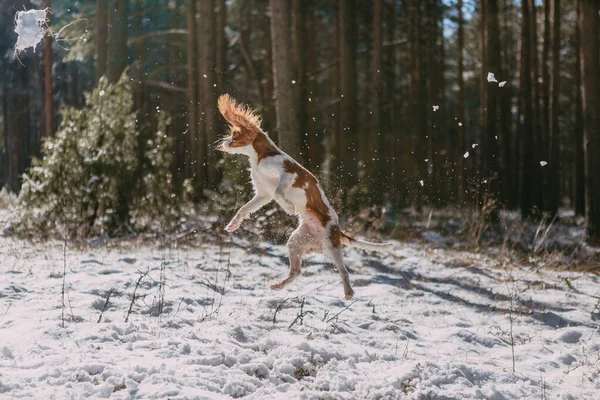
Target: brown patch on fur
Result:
[[263, 147], [336, 236], [242, 137], [305, 180]]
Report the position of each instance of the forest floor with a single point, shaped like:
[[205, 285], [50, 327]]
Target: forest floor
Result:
[[427, 322]]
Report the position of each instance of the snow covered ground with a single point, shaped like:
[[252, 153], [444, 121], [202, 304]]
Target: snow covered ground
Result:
[[426, 323]]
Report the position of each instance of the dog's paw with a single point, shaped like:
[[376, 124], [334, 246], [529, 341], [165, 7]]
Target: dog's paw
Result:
[[349, 295], [277, 286], [233, 226]]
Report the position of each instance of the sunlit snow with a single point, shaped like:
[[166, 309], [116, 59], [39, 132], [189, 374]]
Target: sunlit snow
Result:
[[491, 77]]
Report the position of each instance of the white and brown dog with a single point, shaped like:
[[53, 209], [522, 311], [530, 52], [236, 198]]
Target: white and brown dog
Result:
[[276, 176]]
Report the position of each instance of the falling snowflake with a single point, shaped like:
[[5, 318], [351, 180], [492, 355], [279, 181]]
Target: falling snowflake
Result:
[[543, 163], [101, 93], [204, 75], [293, 82], [466, 155], [435, 108], [474, 145], [422, 183], [491, 77], [460, 124], [501, 84]]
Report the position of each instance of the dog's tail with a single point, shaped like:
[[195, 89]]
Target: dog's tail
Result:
[[361, 244]]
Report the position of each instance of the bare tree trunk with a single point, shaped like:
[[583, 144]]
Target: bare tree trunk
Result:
[[578, 128], [314, 142], [553, 192], [590, 68], [377, 67], [208, 98], [479, 157], [48, 103], [528, 163], [493, 49], [348, 93], [192, 92], [509, 149], [415, 142], [221, 46], [117, 40], [299, 18], [537, 154], [459, 162], [285, 76], [101, 37], [375, 145], [390, 164]]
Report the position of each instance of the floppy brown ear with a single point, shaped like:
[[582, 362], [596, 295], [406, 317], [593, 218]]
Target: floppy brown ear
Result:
[[238, 115]]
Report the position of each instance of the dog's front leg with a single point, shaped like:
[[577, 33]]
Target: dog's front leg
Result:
[[285, 183], [244, 212]]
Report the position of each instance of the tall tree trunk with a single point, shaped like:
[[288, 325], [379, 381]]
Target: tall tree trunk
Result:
[[117, 40], [508, 150], [391, 167], [590, 68], [48, 103], [493, 50], [286, 106], [537, 154], [459, 162], [101, 37], [221, 46], [348, 93], [377, 67], [528, 162], [415, 148], [578, 128], [299, 18], [544, 145], [208, 98], [554, 161], [192, 91], [478, 156], [376, 175]]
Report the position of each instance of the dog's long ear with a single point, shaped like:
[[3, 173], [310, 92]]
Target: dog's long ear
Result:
[[238, 115]]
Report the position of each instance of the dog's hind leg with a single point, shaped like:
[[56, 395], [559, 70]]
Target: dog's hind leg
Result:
[[300, 242], [335, 252]]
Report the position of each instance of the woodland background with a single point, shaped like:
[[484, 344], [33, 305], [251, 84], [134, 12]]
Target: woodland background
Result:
[[387, 101]]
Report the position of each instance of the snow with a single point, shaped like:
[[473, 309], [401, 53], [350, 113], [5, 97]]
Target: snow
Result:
[[543, 163], [435, 108], [30, 28], [426, 322], [466, 155], [491, 77], [501, 84]]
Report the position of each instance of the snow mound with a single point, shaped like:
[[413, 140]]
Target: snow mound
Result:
[[30, 27]]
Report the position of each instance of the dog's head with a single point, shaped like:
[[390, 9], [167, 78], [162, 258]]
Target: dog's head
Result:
[[244, 126]]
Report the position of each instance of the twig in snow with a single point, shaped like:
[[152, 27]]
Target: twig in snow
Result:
[[347, 307], [110, 292], [300, 316], [133, 296]]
